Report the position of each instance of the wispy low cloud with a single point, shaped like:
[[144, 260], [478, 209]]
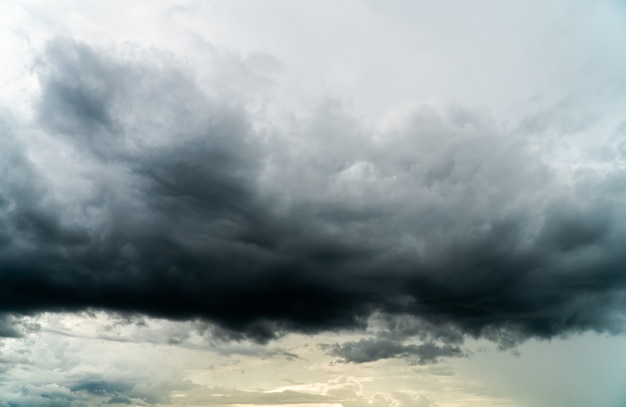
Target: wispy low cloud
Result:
[[388, 339], [161, 192], [370, 350]]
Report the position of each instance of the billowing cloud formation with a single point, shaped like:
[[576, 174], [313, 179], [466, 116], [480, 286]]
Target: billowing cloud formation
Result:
[[163, 191]]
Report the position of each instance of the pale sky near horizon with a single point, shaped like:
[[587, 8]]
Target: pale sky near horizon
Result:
[[325, 203]]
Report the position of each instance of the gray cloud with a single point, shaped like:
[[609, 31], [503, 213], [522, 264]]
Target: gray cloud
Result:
[[370, 350], [167, 198], [14, 327]]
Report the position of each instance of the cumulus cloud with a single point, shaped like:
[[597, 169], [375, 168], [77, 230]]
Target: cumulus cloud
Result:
[[165, 194], [70, 379], [89, 391]]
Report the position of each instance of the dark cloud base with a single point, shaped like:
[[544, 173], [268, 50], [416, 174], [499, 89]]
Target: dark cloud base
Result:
[[172, 215]]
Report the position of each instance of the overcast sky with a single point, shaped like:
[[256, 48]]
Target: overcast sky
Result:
[[331, 203]]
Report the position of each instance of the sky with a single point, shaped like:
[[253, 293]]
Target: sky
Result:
[[312, 204]]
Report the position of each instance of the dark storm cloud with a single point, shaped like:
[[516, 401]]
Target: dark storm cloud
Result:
[[183, 208]]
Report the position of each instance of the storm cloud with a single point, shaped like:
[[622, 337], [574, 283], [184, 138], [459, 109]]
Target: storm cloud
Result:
[[144, 186]]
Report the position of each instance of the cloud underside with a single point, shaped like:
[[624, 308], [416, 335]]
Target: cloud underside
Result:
[[161, 191]]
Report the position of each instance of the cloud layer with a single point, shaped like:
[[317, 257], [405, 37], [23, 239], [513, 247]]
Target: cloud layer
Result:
[[145, 186]]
